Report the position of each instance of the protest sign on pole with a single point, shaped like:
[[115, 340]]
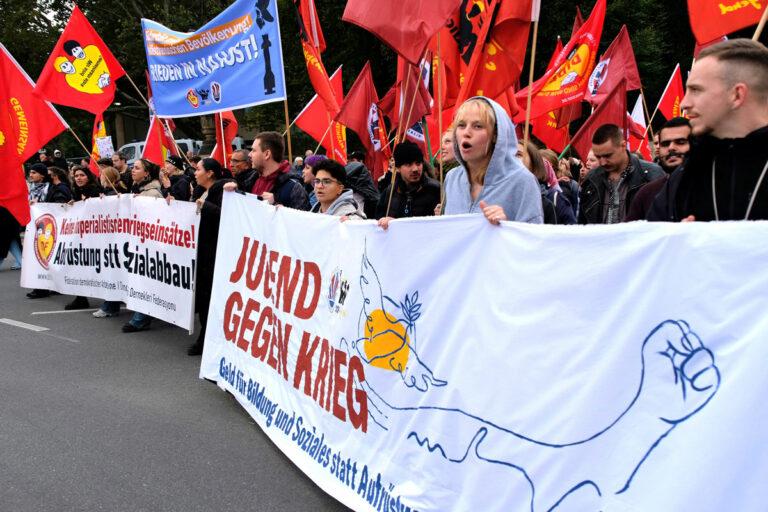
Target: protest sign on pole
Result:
[[137, 250], [395, 387], [233, 61]]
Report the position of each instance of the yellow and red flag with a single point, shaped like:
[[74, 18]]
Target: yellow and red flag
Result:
[[314, 119], [99, 132], [546, 130], [312, 44], [669, 104], [566, 81], [712, 19], [27, 123], [226, 131], [81, 71]]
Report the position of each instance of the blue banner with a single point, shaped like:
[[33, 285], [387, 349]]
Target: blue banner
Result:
[[233, 61]]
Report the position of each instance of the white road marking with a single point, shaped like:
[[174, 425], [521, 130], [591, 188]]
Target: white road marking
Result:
[[63, 311], [23, 325], [60, 337]]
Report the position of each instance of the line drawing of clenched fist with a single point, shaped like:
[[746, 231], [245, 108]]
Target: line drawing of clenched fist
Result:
[[679, 374]]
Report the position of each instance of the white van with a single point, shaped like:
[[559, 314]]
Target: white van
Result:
[[134, 150]]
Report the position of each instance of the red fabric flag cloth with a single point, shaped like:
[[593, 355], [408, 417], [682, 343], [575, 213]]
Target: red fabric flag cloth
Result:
[[81, 71], [409, 98], [360, 113], [310, 23], [613, 110], [566, 82], [617, 63], [498, 59], [314, 119], [318, 76], [406, 27], [226, 131], [711, 19], [578, 21], [545, 129], [27, 125], [669, 104], [99, 131], [159, 145], [700, 46]]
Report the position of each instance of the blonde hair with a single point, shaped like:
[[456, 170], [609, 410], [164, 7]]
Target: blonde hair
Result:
[[110, 175], [488, 118]]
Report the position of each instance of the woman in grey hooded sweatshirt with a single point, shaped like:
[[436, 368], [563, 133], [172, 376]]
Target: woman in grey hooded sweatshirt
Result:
[[332, 196], [490, 179]]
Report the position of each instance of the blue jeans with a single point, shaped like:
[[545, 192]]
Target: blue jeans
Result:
[[15, 249], [111, 306], [140, 320]]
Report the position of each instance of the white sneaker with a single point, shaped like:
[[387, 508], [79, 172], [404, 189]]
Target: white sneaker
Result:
[[99, 313]]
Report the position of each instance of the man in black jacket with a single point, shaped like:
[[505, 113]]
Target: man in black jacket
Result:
[[723, 177], [240, 165], [608, 190], [415, 194], [360, 181]]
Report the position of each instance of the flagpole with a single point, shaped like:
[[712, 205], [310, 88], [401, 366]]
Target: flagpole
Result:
[[330, 126], [760, 25], [401, 109], [440, 122], [526, 131], [288, 128], [321, 138], [290, 125], [87, 151], [659, 104], [645, 108]]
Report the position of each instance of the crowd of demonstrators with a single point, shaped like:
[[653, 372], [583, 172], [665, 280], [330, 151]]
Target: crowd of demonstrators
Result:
[[411, 193], [711, 166]]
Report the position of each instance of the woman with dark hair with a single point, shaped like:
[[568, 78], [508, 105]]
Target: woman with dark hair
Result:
[[210, 176], [333, 198], [85, 185], [145, 175], [557, 209], [308, 176]]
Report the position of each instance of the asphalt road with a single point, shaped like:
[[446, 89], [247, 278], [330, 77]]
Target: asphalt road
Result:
[[94, 419]]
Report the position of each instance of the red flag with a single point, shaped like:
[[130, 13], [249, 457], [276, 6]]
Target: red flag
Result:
[[497, 64], [613, 110], [314, 119], [577, 22], [27, 125], [546, 130], [359, 112], [669, 104], [226, 130], [159, 145], [99, 131], [558, 49], [566, 82], [407, 27], [81, 71], [711, 19], [409, 98], [617, 63], [700, 46], [319, 77], [310, 23]]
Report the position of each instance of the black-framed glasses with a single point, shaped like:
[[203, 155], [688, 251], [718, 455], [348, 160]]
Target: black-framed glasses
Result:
[[323, 181]]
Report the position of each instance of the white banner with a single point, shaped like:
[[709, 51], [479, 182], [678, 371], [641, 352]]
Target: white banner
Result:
[[448, 364], [137, 250]]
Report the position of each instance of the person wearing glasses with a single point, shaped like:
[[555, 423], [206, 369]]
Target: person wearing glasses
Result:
[[333, 198], [240, 165]]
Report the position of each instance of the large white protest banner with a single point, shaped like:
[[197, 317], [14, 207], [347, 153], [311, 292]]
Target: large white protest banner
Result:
[[449, 364], [138, 250]]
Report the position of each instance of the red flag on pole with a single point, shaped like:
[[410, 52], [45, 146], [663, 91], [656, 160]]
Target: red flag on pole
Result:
[[546, 130], [406, 27], [566, 82], [99, 131], [314, 119], [359, 112], [81, 71], [613, 110], [578, 21], [617, 63], [310, 23], [711, 19], [498, 60], [409, 97], [27, 125], [226, 131], [312, 44], [669, 104], [700, 46], [159, 145]]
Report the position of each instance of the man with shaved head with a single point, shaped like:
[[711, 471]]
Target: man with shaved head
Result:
[[724, 176]]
